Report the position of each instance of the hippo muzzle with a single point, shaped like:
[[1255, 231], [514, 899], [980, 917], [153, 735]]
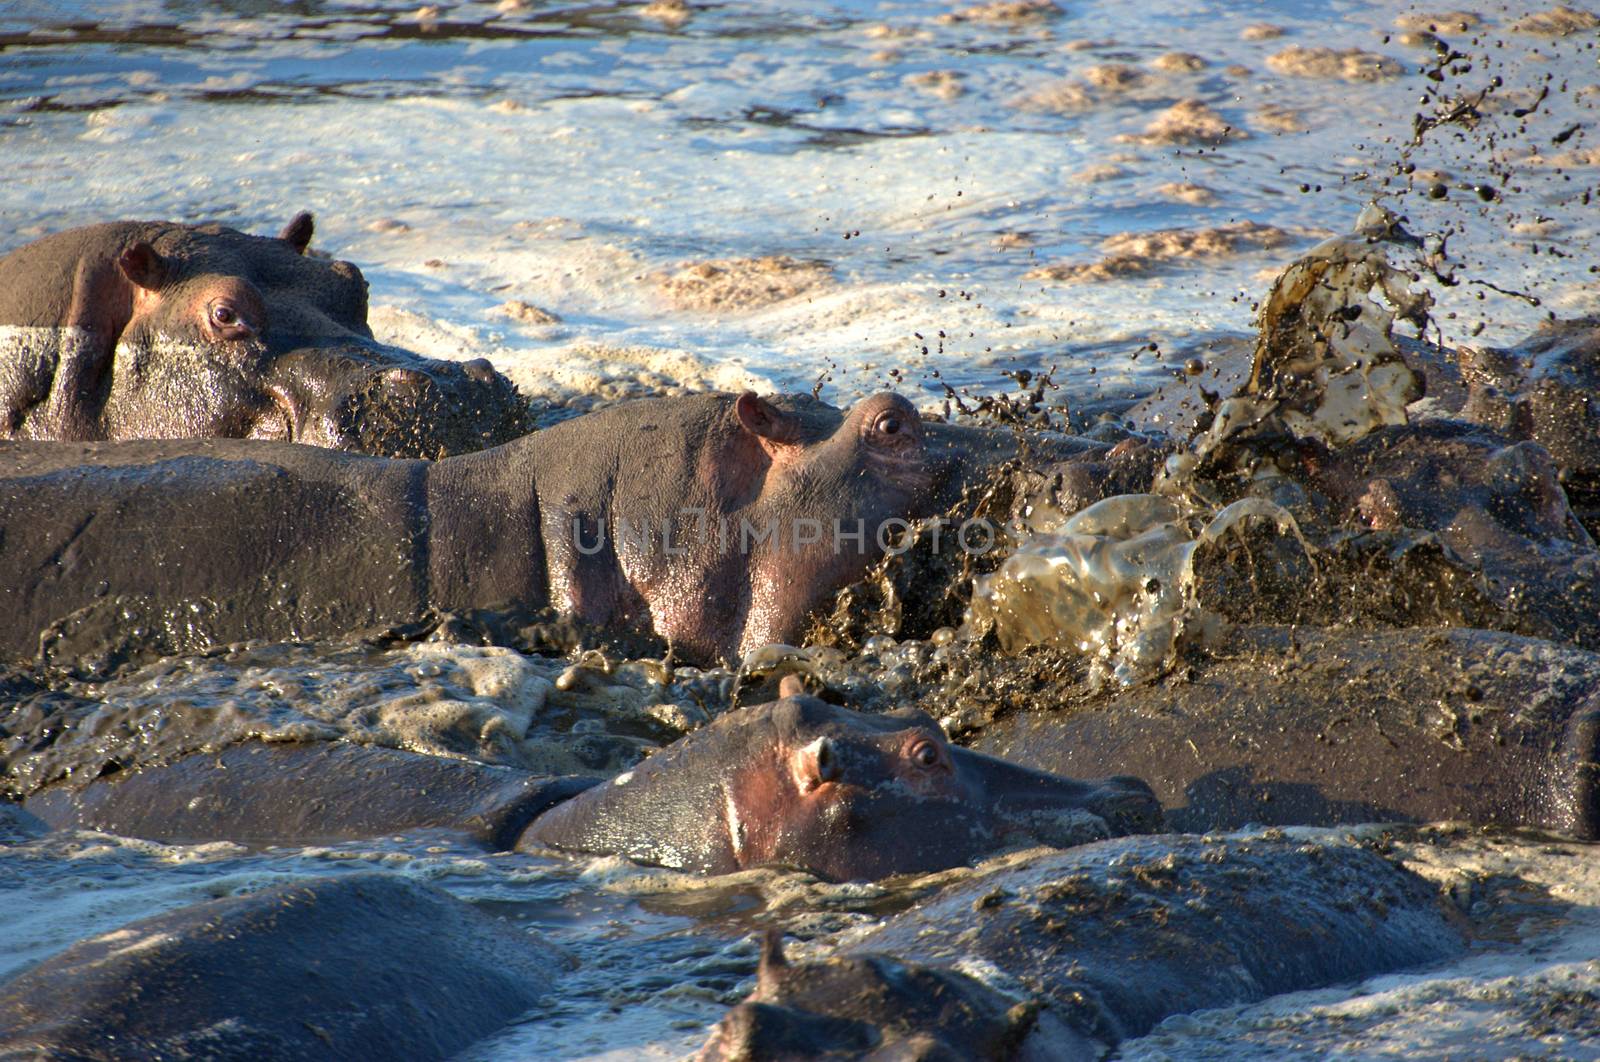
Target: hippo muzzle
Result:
[[375, 399]]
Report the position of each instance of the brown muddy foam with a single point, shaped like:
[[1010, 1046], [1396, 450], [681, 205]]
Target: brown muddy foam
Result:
[[1133, 253], [1558, 21], [1179, 62], [1438, 22], [944, 84], [1187, 192], [1003, 12], [1188, 121], [723, 285], [1349, 64]]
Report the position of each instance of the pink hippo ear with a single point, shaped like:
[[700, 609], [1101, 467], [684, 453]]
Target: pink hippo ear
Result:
[[141, 264], [297, 233], [791, 686], [760, 417], [773, 962]]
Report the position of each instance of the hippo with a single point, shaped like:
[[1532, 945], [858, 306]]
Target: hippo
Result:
[[1544, 389], [714, 521], [1439, 522], [841, 794], [1064, 955], [157, 330], [316, 968], [797, 782], [1292, 725]]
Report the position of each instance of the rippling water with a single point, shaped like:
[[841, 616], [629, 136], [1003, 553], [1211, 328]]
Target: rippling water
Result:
[[607, 199]]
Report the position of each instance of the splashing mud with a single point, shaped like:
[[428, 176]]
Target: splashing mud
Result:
[[1115, 581]]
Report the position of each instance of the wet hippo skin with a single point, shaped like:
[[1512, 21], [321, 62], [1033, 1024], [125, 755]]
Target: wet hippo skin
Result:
[[261, 793], [318, 968], [1093, 946], [632, 518], [1303, 726]]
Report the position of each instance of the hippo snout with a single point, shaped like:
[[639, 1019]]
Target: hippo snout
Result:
[[1128, 805], [383, 401]]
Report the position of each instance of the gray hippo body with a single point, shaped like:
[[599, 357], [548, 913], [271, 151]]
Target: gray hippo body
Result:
[[279, 793], [1102, 942], [148, 330], [796, 782], [713, 521], [320, 968], [1295, 725]]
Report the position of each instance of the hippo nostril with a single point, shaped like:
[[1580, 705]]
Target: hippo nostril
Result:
[[479, 369], [404, 383], [285, 414]]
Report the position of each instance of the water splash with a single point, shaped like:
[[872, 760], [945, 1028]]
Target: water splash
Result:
[[1115, 581]]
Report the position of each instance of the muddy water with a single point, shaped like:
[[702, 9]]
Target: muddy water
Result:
[[612, 200]]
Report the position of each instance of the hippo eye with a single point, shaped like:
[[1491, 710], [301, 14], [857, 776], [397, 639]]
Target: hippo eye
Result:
[[890, 424], [925, 753], [225, 318]]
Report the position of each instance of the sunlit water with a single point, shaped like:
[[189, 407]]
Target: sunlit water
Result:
[[951, 200]]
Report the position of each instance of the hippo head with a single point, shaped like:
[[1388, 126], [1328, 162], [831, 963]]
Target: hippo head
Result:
[[1477, 494], [192, 331], [835, 501], [878, 1006], [244, 294], [720, 521], [841, 794], [1544, 390]]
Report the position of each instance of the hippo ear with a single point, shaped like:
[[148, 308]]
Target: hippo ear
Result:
[[791, 686], [773, 962], [142, 264], [297, 233], [760, 417]]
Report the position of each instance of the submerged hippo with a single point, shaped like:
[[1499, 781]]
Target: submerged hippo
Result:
[[155, 330], [715, 521], [1545, 389], [796, 782], [1064, 955], [1294, 725], [1444, 522], [318, 968]]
